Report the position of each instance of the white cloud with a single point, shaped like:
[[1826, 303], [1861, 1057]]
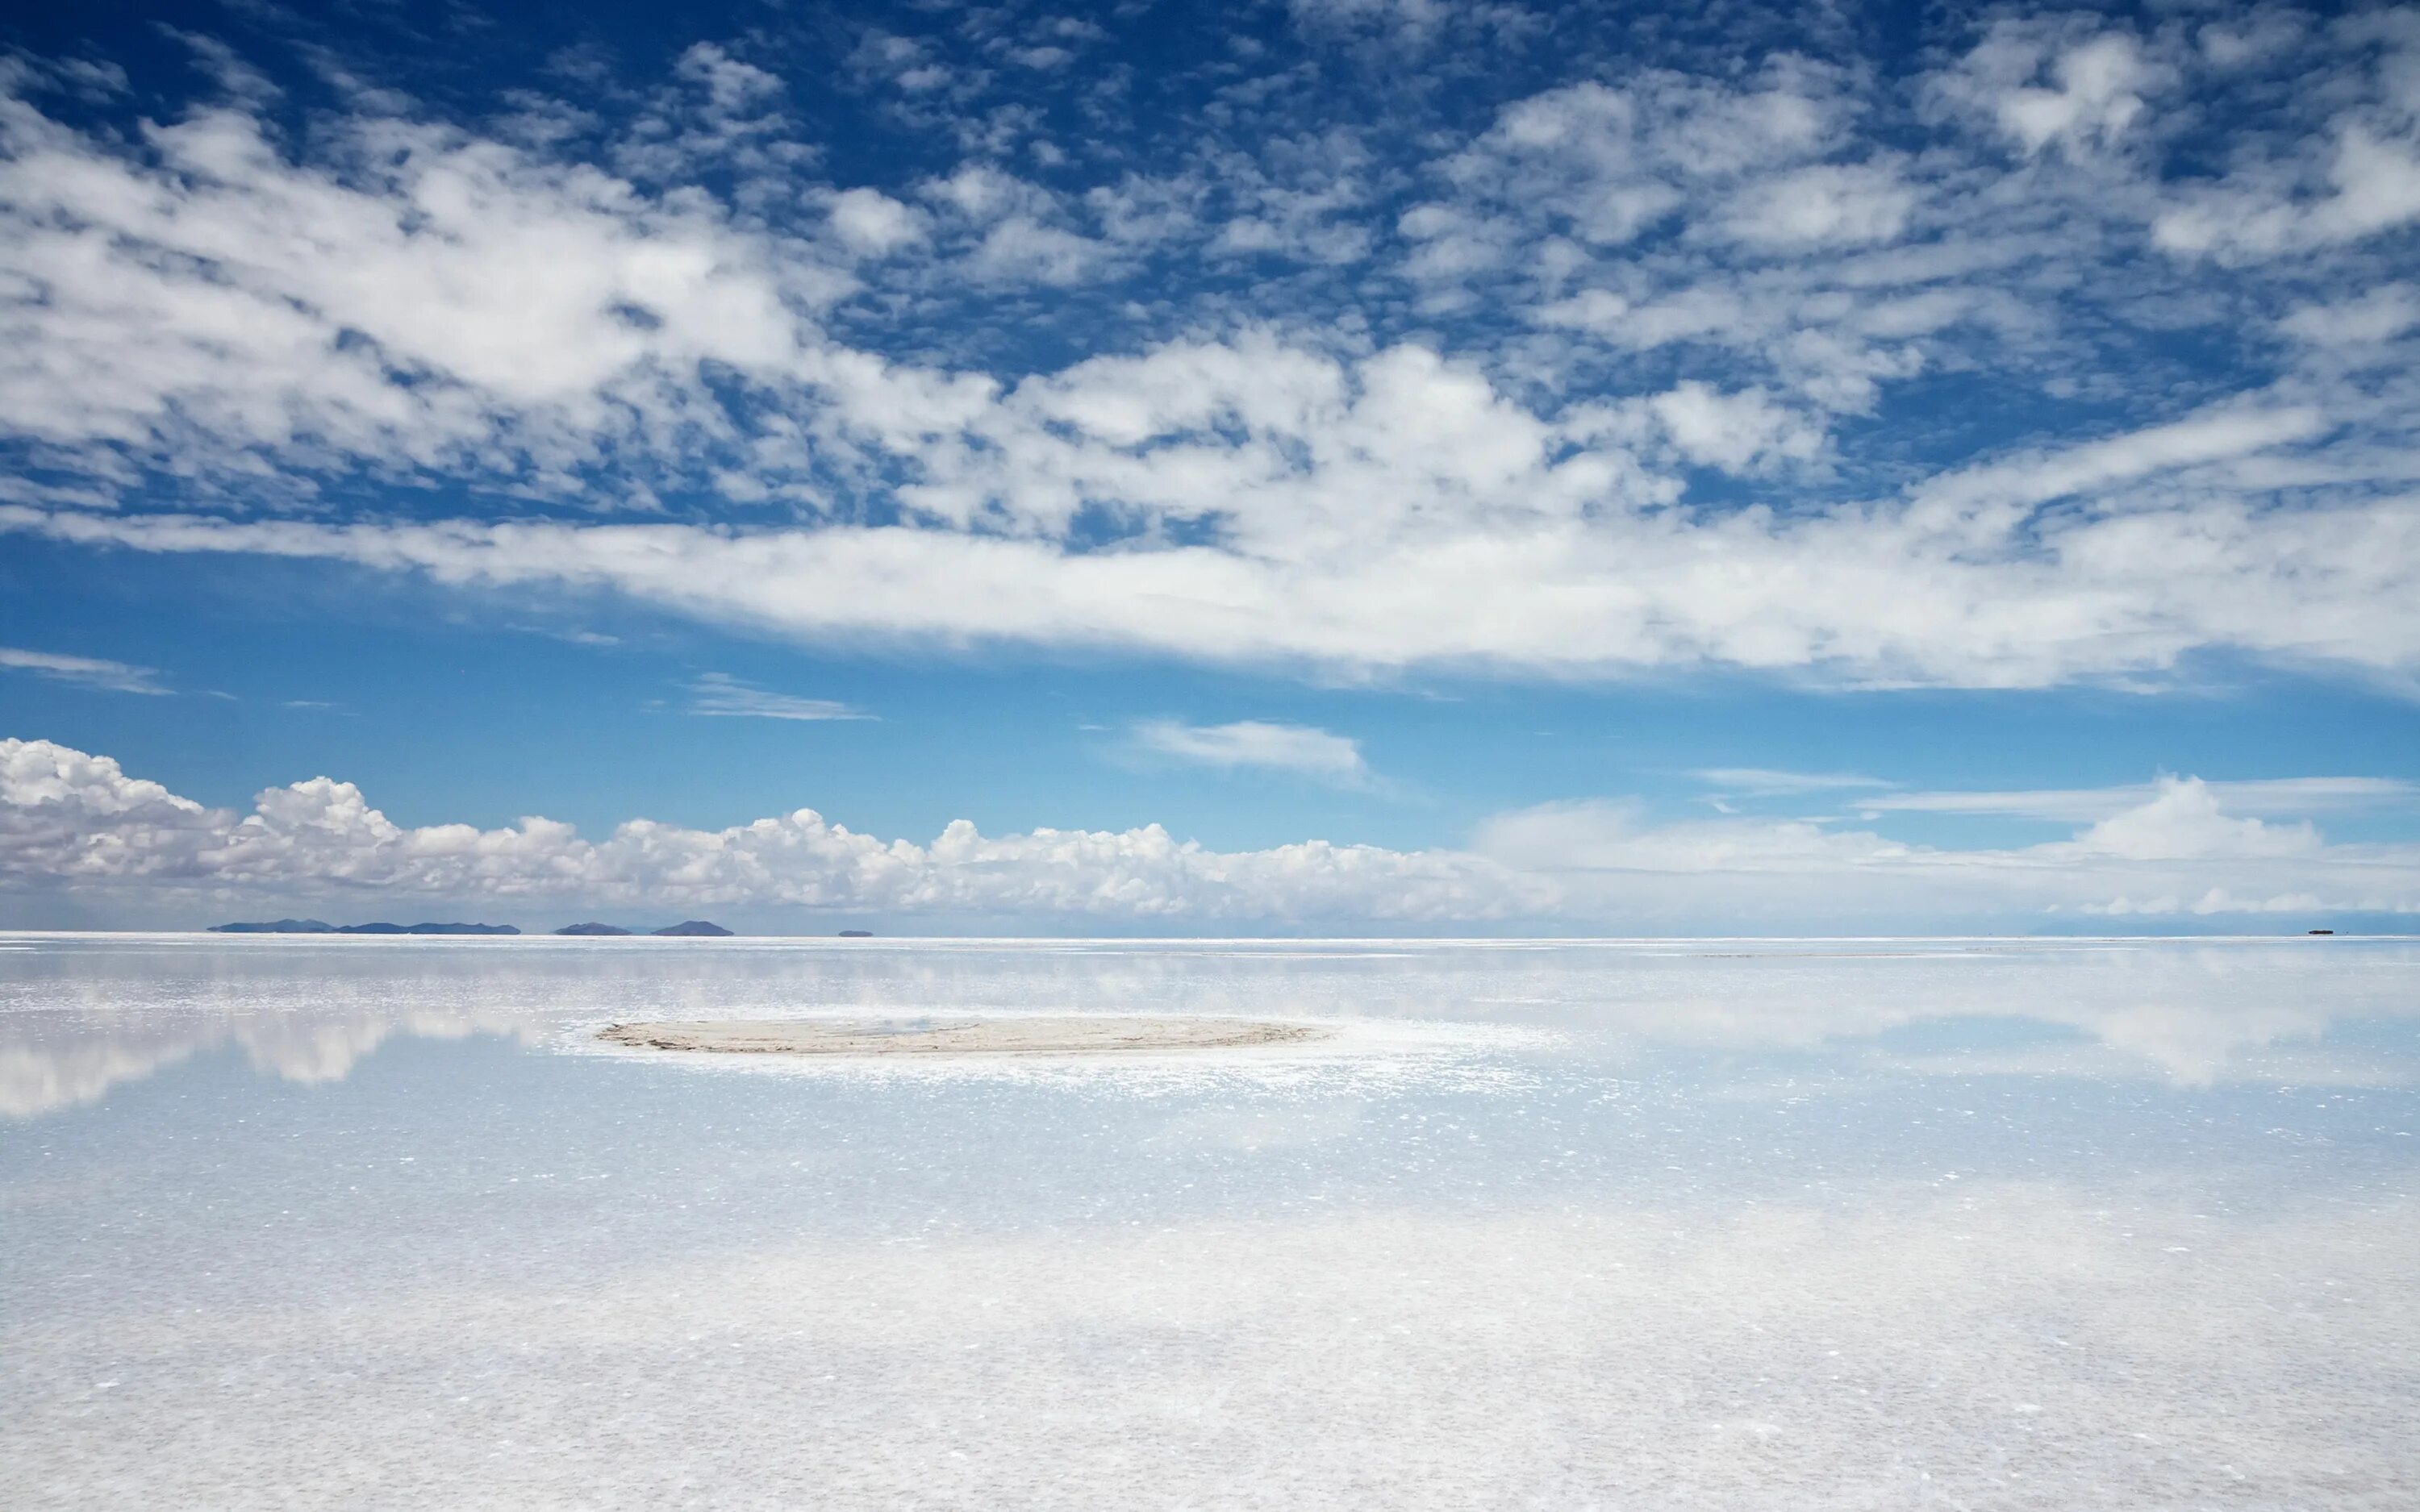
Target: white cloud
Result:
[[2097, 96], [2267, 797], [871, 222], [2357, 178], [731, 86], [1598, 836], [1287, 747], [1831, 203], [1410, 25], [427, 300], [1023, 250], [86, 672], [2183, 820], [68, 818], [1604, 858], [1760, 782], [1020, 231], [2373, 186], [251, 321], [718, 693], [1607, 164], [1744, 433], [1400, 512], [2376, 316], [77, 822]]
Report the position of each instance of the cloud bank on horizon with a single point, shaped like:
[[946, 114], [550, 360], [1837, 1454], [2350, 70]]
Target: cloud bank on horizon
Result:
[[2170, 851], [2052, 348]]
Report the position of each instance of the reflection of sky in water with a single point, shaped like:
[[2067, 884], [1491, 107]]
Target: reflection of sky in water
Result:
[[371, 1223]]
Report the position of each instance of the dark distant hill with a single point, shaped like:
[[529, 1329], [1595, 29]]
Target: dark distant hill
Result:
[[856, 935], [313, 926], [693, 926], [283, 926], [592, 928], [426, 929]]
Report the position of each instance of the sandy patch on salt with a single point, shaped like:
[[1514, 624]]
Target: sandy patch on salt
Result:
[[1069, 1035]]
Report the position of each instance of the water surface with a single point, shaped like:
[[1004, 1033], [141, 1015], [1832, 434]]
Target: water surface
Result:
[[380, 1223]]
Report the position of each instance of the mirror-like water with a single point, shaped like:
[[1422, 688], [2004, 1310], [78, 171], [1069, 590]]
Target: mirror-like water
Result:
[[382, 1222]]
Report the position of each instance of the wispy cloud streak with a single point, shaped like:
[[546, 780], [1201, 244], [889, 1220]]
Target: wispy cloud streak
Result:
[[84, 672], [1254, 743], [721, 695]]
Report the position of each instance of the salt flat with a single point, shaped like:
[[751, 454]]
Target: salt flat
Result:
[[2041, 1225]]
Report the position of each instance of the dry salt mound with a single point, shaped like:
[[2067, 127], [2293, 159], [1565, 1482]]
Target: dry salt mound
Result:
[[1073, 1035]]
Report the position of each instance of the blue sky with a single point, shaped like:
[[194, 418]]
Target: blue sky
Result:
[[1448, 465]]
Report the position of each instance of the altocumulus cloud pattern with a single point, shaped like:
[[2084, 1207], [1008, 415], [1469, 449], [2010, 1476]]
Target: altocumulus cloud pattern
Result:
[[2044, 347]]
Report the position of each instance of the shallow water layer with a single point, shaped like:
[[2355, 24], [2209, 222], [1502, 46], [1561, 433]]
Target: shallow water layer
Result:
[[1875, 1224]]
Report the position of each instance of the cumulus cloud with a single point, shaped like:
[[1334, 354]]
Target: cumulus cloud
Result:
[[1286, 748], [1741, 433], [2094, 96], [84, 672], [2183, 820], [871, 222], [75, 821]]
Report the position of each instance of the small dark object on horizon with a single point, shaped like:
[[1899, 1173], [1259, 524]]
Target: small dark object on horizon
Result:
[[856, 935], [2320, 932], [592, 928], [702, 928]]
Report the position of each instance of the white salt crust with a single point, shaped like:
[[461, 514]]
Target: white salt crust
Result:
[[1094, 1034], [2013, 1346]]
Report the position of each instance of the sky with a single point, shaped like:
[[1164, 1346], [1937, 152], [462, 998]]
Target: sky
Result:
[[1328, 467]]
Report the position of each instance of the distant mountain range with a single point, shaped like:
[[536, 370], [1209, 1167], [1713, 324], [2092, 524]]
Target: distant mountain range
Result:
[[313, 926], [697, 927]]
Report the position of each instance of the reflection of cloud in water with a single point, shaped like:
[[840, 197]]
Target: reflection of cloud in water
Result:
[[81, 1015], [2290, 1065], [36, 1079], [105, 1013]]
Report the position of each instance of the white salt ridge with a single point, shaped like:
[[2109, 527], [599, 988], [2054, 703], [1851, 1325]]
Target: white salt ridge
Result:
[[1021, 1035], [1370, 1054]]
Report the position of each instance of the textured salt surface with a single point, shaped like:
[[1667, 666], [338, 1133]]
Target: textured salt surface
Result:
[[1088, 1035], [2053, 1227], [2006, 1348]]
